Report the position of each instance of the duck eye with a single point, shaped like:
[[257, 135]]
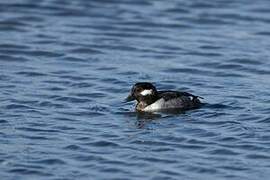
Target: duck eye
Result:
[[138, 90]]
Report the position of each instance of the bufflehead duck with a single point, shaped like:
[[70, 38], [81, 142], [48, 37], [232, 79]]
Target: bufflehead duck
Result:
[[149, 99]]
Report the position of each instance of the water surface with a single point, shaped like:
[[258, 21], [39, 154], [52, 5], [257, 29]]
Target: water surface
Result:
[[66, 67]]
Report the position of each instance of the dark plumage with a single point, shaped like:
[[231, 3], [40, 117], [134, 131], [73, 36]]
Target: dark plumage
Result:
[[149, 99]]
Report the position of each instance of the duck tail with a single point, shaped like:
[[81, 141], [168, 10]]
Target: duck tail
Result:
[[198, 97], [196, 100]]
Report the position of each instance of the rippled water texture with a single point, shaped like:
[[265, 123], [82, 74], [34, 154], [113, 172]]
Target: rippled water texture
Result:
[[66, 66]]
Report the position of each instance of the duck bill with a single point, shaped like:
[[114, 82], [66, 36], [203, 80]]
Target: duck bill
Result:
[[130, 98]]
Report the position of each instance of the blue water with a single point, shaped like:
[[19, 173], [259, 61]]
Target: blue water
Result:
[[66, 67]]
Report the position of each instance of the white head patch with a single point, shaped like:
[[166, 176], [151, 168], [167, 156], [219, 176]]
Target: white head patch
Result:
[[147, 92]]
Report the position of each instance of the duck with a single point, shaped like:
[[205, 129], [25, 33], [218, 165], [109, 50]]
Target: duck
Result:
[[149, 99]]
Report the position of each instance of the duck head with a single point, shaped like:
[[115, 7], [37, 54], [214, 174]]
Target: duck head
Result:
[[143, 92]]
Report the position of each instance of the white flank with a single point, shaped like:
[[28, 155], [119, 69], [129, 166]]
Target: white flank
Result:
[[155, 106], [161, 104], [147, 92]]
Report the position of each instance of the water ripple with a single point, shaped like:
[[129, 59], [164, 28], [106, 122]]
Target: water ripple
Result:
[[66, 68]]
